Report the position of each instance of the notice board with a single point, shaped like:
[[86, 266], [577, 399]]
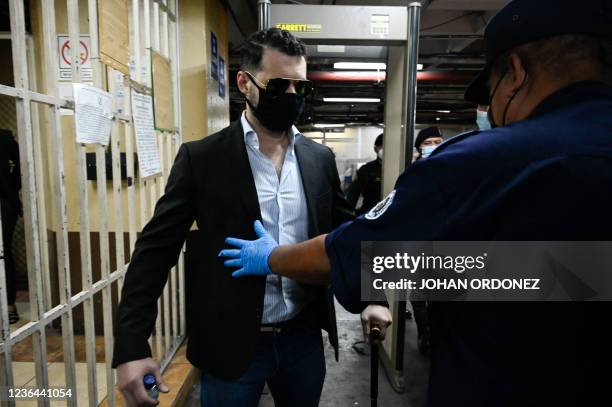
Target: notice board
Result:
[[114, 34], [162, 92]]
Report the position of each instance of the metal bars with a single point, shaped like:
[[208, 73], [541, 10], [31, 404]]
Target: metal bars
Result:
[[152, 26]]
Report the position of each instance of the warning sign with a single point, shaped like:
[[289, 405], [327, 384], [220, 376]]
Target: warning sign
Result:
[[65, 53]]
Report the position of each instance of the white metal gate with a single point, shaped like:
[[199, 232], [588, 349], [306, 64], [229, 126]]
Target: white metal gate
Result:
[[48, 159]]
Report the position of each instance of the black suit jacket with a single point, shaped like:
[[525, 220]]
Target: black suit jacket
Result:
[[211, 182]]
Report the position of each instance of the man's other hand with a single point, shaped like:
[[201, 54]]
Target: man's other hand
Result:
[[375, 316], [129, 381], [251, 257]]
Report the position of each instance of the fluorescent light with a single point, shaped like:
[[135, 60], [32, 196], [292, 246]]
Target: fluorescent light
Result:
[[443, 111], [352, 100], [419, 67], [327, 126], [437, 119], [360, 65]]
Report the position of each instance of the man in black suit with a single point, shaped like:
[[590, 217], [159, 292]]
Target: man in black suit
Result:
[[242, 332]]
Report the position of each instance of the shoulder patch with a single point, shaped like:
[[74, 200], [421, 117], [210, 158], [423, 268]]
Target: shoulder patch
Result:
[[381, 207]]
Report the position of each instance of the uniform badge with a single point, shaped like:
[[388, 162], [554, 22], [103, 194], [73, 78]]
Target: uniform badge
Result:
[[381, 207]]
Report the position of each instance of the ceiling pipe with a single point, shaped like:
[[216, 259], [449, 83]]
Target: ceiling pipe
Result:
[[380, 76]]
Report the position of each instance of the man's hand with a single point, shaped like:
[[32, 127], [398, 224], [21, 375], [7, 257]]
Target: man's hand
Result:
[[375, 316], [129, 381], [252, 255]]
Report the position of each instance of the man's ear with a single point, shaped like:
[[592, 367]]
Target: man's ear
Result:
[[517, 73], [242, 81]]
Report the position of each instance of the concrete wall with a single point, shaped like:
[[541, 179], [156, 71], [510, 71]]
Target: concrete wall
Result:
[[203, 111], [353, 147]]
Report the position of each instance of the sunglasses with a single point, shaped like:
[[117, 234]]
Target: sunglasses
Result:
[[278, 86]]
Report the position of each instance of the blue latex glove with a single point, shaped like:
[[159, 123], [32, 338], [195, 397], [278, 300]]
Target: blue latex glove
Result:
[[251, 255]]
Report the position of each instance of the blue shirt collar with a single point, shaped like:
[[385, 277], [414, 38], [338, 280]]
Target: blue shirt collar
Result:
[[250, 137]]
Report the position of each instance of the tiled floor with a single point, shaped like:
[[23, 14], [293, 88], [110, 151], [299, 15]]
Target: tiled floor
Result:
[[24, 377], [22, 351], [346, 384], [23, 361]]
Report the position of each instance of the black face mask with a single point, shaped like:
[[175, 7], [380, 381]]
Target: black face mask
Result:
[[277, 113], [490, 112]]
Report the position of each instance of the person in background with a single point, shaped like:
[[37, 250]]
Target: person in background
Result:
[[10, 184], [368, 181], [427, 141], [482, 117]]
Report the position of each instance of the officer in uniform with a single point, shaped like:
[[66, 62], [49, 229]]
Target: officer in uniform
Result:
[[368, 181], [543, 172], [427, 141]]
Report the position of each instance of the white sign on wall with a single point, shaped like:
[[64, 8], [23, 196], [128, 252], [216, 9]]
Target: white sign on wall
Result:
[[149, 162], [65, 56], [93, 114]]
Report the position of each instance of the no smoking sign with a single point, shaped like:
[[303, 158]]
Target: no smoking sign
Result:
[[65, 57]]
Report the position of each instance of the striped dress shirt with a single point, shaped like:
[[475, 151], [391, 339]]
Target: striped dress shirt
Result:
[[284, 214]]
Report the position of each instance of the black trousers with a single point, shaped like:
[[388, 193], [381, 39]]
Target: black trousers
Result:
[[9, 220]]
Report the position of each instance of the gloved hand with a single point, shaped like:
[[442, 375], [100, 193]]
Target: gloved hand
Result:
[[252, 255]]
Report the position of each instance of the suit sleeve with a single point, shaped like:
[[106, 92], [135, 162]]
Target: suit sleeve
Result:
[[156, 251], [342, 209]]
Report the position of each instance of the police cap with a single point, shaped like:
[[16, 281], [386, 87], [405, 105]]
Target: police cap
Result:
[[524, 21]]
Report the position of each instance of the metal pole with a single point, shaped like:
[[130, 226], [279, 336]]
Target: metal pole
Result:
[[374, 344], [393, 356], [264, 14], [410, 85]]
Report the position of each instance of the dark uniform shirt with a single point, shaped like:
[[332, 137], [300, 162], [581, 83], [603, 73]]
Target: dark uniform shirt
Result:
[[368, 184], [545, 178]]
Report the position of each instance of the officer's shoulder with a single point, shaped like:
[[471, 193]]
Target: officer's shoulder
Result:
[[457, 139], [475, 142]]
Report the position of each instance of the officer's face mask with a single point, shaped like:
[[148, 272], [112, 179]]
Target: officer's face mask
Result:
[[482, 120], [276, 112], [490, 112], [427, 150], [379, 153]]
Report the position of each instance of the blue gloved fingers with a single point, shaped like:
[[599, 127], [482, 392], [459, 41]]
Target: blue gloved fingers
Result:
[[239, 273], [259, 229], [229, 253], [233, 263], [237, 242]]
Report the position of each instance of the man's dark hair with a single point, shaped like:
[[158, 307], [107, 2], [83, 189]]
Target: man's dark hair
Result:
[[273, 38], [564, 56], [379, 140]]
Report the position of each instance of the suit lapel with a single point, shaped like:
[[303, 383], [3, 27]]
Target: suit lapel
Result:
[[308, 170], [239, 171]]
